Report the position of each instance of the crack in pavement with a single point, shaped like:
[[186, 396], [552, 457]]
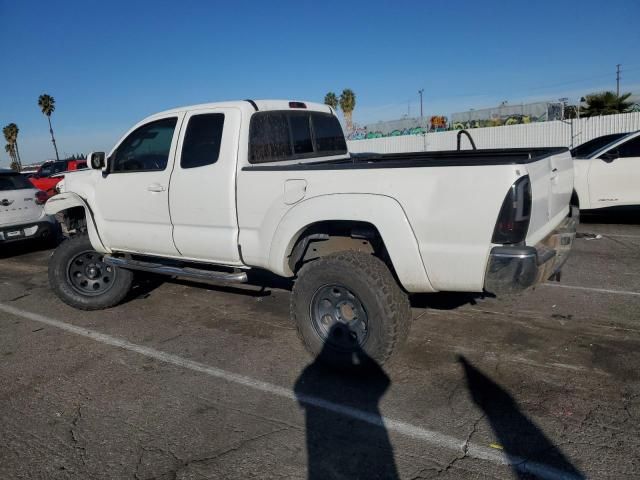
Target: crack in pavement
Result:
[[182, 464], [75, 438], [457, 458], [408, 430]]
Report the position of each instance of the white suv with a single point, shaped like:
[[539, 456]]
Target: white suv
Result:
[[607, 172], [22, 214]]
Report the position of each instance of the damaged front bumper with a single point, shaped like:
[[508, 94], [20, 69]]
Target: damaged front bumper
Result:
[[513, 269]]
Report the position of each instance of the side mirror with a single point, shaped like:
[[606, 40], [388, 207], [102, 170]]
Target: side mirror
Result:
[[610, 156], [97, 160]]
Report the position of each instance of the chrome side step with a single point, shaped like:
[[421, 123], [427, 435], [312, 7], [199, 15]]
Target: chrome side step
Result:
[[235, 277]]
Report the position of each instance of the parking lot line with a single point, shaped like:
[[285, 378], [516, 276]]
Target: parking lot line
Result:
[[590, 289], [406, 429], [616, 235]]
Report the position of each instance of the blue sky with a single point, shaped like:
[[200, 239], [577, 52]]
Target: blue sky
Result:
[[110, 63]]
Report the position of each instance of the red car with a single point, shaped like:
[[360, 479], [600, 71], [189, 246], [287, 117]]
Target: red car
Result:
[[50, 173]]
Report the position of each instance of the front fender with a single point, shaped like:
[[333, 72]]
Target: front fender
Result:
[[64, 201], [385, 213]]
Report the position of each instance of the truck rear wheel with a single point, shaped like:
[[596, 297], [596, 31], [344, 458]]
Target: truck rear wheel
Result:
[[81, 279], [347, 304]]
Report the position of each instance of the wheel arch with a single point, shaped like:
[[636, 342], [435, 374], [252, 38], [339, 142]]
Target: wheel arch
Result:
[[67, 202], [384, 217], [325, 237]]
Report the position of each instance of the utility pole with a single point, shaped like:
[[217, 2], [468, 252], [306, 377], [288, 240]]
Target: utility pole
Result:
[[563, 102], [618, 80], [420, 92]]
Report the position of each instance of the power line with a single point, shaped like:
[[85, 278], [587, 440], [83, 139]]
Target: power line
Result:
[[542, 87]]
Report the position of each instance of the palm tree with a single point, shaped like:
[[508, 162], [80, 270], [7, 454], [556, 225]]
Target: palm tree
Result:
[[48, 104], [16, 130], [10, 133], [605, 103], [347, 105], [331, 99], [12, 153]]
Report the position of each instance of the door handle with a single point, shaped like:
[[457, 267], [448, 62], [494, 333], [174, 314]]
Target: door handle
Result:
[[155, 187]]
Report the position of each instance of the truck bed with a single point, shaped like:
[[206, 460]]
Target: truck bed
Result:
[[447, 158], [452, 211]]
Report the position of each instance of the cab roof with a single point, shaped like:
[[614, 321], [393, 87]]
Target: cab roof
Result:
[[257, 105]]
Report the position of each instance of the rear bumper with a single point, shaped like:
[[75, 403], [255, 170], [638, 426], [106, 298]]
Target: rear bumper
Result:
[[40, 229], [513, 269]]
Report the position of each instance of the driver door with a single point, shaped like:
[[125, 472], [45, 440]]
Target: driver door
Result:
[[132, 197], [615, 175]]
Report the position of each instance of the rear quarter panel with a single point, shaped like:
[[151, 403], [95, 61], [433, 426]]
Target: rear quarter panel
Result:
[[450, 213]]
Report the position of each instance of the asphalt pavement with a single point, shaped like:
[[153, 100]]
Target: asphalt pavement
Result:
[[190, 380]]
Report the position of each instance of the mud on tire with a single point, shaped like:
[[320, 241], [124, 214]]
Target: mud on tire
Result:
[[364, 285], [80, 279]]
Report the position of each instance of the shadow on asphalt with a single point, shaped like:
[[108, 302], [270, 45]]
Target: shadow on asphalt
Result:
[[446, 300], [340, 446], [145, 283], [267, 281], [517, 434], [617, 216], [26, 247]]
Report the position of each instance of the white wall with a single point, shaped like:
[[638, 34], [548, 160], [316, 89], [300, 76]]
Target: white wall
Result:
[[543, 134]]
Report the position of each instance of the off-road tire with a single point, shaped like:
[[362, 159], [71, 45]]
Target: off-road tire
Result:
[[64, 289], [386, 305]]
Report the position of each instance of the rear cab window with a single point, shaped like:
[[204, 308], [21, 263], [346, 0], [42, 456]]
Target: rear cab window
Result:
[[202, 140], [14, 181], [276, 136]]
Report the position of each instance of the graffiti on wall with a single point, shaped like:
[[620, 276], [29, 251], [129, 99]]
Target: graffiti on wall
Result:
[[362, 133], [438, 123], [496, 122], [399, 128], [506, 114]]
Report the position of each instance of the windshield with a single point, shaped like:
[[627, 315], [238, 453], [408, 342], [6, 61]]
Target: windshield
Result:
[[49, 169], [588, 148], [13, 181]]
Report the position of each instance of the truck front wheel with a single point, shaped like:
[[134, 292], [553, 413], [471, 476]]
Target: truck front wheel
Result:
[[347, 304], [81, 279]]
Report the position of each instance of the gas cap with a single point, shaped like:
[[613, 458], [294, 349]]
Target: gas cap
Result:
[[294, 190]]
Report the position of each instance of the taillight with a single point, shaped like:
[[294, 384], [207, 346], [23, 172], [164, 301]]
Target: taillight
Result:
[[297, 105], [41, 197], [513, 220]]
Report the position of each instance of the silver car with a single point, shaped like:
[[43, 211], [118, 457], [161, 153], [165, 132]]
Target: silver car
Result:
[[22, 214]]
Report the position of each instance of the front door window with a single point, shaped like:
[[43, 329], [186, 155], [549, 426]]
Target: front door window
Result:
[[146, 148]]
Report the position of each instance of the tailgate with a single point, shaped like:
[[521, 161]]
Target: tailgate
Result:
[[551, 187]]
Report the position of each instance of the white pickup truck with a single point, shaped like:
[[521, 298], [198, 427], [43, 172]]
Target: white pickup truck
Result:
[[607, 171], [211, 191]]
